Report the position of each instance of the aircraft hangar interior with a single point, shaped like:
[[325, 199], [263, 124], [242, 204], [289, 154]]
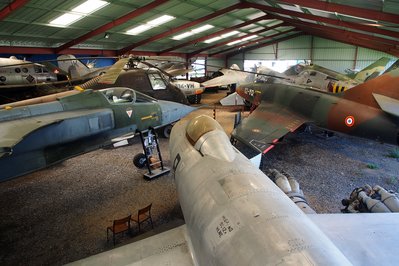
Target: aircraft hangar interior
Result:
[[199, 132]]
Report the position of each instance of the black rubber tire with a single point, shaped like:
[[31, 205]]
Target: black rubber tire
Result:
[[139, 160], [194, 99], [166, 131]]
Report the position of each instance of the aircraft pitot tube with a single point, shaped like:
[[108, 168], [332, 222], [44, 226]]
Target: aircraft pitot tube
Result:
[[234, 214], [290, 187], [367, 199]]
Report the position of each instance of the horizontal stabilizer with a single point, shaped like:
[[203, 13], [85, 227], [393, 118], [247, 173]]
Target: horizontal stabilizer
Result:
[[387, 104], [167, 248]]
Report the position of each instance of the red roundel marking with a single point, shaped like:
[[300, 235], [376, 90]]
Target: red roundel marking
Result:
[[349, 121]]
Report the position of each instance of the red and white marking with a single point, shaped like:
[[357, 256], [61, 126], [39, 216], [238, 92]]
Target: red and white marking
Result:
[[349, 121]]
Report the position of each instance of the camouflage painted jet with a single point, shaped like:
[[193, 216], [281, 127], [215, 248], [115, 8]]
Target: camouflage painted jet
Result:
[[36, 136], [325, 79], [369, 110]]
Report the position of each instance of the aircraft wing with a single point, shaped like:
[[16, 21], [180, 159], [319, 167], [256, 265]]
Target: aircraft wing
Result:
[[9, 136], [266, 125], [167, 248], [364, 238]]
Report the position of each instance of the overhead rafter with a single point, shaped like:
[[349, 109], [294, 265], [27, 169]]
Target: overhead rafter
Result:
[[331, 21], [345, 9], [305, 26], [16, 4], [180, 28], [353, 41], [253, 42], [39, 50], [235, 39], [215, 34], [265, 44], [131, 15]]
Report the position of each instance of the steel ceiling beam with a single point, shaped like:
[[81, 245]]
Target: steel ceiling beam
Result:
[[345, 9], [385, 45], [235, 39], [16, 4], [131, 15], [180, 28], [39, 50], [253, 42], [331, 21], [340, 31], [215, 34], [265, 44], [354, 41]]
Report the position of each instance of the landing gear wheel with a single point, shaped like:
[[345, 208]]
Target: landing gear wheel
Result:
[[166, 131], [194, 99], [139, 160]]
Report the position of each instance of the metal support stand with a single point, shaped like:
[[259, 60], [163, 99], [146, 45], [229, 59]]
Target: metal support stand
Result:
[[154, 163]]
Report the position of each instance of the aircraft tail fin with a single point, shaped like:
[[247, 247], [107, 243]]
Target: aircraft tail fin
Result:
[[395, 65], [372, 70], [386, 85], [73, 66]]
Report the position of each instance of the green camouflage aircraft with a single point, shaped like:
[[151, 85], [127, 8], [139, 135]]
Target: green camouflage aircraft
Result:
[[369, 110], [36, 136]]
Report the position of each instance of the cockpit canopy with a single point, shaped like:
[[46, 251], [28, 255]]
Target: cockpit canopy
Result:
[[125, 95]]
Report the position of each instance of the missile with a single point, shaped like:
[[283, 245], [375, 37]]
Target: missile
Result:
[[235, 215]]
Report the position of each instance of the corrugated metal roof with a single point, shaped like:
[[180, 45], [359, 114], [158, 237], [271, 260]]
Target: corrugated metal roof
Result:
[[29, 24]]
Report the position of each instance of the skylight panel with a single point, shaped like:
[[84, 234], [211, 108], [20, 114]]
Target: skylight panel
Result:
[[192, 32], [90, 6], [65, 19], [78, 13], [150, 24]]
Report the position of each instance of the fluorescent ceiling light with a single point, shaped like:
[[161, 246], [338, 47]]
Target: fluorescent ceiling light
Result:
[[234, 42], [249, 38], [202, 28], [66, 19], [78, 13], [90, 6], [139, 29], [231, 33], [214, 39], [183, 35], [192, 32], [160, 20], [242, 40], [217, 38], [150, 24]]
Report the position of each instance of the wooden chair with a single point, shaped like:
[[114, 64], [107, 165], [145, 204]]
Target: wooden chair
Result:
[[119, 226], [144, 215]]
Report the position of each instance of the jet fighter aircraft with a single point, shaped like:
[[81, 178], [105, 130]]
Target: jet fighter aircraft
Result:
[[77, 70], [235, 215], [369, 110], [20, 74], [36, 136]]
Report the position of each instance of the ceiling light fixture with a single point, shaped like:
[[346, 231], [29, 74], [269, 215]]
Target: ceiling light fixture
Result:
[[192, 32], [150, 24], [214, 39], [78, 13]]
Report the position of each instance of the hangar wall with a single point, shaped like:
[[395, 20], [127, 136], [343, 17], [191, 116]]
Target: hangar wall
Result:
[[330, 54]]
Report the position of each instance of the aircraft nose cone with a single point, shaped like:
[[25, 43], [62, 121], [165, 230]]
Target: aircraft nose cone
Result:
[[171, 111]]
